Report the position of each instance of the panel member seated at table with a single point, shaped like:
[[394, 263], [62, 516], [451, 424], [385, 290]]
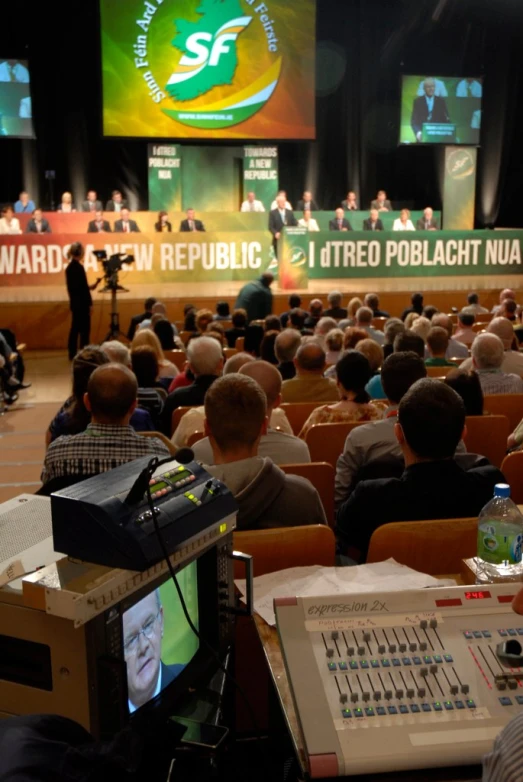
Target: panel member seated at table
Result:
[[99, 225], [308, 222], [283, 193], [38, 224], [381, 202], [191, 223], [307, 202], [125, 225], [427, 222], [251, 204], [340, 222], [373, 222], [350, 204], [9, 224], [116, 203], [25, 203], [162, 225], [92, 202], [66, 205], [403, 222]]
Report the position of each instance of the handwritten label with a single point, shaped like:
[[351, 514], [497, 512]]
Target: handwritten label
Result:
[[13, 570]]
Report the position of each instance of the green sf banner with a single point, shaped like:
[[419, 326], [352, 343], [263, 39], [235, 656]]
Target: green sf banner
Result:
[[260, 173], [433, 253], [459, 188], [165, 184]]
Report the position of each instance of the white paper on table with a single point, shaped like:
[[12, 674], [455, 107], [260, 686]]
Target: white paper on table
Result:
[[318, 581]]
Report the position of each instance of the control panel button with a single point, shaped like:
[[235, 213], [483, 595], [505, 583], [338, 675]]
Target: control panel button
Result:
[[438, 706], [425, 707], [350, 651], [414, 708], [343, 667], [423, 624], [392, 710], [330, 652], [433, 624], [396, 662], [402, 648], [448, 658], [403, 709], [382, 649], [358, 712], [505, 701], [423, 646], [375, 663], [366, 637], [369, 711], [385, 663], [449, 706], [335, 635], [346, 713], [364, 664], [459, 704], [333, 667], [354, 697], [380, 711], [343, 697], [471, 704], [365, 697], [388, 695]]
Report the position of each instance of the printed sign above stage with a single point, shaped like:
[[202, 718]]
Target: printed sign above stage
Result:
[[260, 174], [234, 69], [165, 184]]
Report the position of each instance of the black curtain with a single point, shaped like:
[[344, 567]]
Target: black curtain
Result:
[[363, 46]]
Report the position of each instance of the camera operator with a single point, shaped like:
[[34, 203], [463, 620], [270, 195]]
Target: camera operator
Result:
[[80, 301]]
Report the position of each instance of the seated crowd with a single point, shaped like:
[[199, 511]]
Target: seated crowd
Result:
[[404, 385]]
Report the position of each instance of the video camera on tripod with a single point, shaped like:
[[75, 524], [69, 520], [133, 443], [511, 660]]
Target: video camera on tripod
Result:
[[112, 265]]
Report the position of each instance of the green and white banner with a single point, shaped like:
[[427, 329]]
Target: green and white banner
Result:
[[260, 173], [165, 183]]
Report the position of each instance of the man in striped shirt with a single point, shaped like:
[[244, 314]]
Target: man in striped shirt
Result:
[[109, 440]]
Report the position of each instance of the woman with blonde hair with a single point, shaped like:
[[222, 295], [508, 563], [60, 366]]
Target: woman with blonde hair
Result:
[[353, 306], [148, 337], [372, 352], [410, 320], [203, 318], [421, 327], [334, 345]]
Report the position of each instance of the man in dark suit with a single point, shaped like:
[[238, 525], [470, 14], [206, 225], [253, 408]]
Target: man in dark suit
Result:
[[428, 108], [427, 222], [137, 319], [125, 225], [307, 203], [116, 202], [373, 223], [191, 223], [92, 204], [381, 202], [340, 223], [350, 204], [278, 218], [99, 225], [38, 224], [430, 424]]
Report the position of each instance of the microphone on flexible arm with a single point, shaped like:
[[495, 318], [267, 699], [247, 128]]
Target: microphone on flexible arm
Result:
[[139, 487]]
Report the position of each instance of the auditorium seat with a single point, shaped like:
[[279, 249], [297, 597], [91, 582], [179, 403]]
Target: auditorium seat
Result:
[[479, 326], [185, 336], [510, 405], [165, 440], [229, 352], [298, 412], [194, 437], [177, 357], [326, 441], [438, 371], [240, 344], [379, 323], [512, 469], [321, 475], [487, 435], [285, 547], [177, 417], [435, 547]]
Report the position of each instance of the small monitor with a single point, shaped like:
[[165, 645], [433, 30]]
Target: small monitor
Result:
[[441, 109], [16, 112], [158, 643]]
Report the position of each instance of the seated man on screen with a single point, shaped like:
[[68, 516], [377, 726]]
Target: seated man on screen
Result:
[[307, 203], [125, 225], [350, 204], [12, 70], [38, 224], [428, 108], [147, 675], [251, 204], [308, 222], [99, 225], [340, 222], [469, 88], [381, 202], [25, 110], [427, 222], [373, 223], [191, 223]]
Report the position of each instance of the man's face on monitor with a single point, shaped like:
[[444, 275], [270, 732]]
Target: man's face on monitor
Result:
[[430, 88], [142, 637]]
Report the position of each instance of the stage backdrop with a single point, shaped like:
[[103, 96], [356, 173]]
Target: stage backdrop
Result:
[[227, 256]]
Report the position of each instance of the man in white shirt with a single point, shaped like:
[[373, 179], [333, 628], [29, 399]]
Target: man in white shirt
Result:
[[487, 358], [25, 111], [9, 224], [280, 447], [251, 204], [308, 222], [276, 204], [512, 359], [474, 306], [469, 88], [12, 70]]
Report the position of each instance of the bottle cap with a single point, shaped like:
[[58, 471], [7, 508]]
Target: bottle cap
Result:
[[501, 490]]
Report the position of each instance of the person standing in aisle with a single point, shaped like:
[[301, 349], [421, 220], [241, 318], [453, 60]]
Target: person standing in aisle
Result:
[[80, 301]]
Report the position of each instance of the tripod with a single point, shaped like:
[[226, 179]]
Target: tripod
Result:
[[114, 325]]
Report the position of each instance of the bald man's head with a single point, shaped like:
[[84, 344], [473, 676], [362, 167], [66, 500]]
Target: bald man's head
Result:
[[440, 319], [111, 394], [503, 329], [310, 358], [267, 377]]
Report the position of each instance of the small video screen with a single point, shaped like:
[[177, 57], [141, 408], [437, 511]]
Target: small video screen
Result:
[[16, 113]]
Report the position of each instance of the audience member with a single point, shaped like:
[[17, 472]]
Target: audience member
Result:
[[376, 443], [189, 321], [235, 421], [393, 327], [487, 358], [144, 364], [137, 319], [353, 306], [506, 293], [373, 353], [222, 311], [455, 349], [314, 314], [205, 359], [272, 323], [280, 446], [509, 310], [429, 310], [294, 302], [352, 336], [108, 440], [430, 424], [515, 440], [474, 306], [309, 385], [372, 301], [335, 310], [203, 318], [353, 373], [416, 305], [285, 347], [239, 324], [512, 359], [408, 341], [411, 319], [157, 309], [437, 345], [216, 330], [465, 333], [256, 297], [421, 327], [323, 326], [253, 339], [297, 319], [147, 337], [164, 331], [267, 352], [364, 321], [467, 385], [334, 345]]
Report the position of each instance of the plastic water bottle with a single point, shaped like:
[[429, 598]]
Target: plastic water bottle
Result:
[[500, 536]]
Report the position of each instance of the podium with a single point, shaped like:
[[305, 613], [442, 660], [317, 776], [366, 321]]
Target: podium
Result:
[[438, 133]]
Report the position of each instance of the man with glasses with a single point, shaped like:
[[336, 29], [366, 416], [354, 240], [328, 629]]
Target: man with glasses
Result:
[[147, 675]]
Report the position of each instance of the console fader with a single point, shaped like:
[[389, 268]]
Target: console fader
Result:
[[414, 679]]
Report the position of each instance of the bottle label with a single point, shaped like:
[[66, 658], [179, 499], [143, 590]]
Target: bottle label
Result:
[[497, 548]]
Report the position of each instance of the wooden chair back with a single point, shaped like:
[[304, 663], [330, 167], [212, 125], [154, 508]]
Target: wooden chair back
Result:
[[379, 323], [321, 475], [285, 547], [194, 437], [326, 441], [185, 336], [436, 547], [159, 436], [178, 358], [512, 469], [177, 417], [229, 352], [453, 318], [510, 405], [488, 435], [438, 371], [240, 344], [480, 325], [298, 412]]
